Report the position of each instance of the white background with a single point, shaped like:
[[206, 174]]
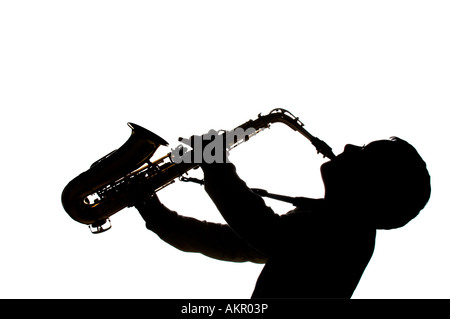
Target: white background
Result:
[[73, 73]]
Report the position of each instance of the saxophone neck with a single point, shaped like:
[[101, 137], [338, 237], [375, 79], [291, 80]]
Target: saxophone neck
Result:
[[279, 115]]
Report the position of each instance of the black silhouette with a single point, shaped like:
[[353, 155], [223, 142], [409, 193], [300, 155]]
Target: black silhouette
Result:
[[321, 248]]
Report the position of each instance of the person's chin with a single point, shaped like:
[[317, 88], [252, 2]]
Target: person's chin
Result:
[[326, 170]]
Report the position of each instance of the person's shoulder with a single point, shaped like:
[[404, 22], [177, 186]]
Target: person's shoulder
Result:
[[299, 215], [307, 218]]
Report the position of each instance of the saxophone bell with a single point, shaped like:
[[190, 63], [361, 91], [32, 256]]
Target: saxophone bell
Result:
[[96, 194]]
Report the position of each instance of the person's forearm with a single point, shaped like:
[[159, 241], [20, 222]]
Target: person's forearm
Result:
[[244, 211], [191, 235]]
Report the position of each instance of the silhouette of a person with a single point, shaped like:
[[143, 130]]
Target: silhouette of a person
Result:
[[321, 248]]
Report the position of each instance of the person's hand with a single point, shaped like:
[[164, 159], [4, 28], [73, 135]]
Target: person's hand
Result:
[[205, 149], [148, 204]]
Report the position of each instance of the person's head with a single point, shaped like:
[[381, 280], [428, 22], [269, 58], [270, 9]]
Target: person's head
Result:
[[386, 181]]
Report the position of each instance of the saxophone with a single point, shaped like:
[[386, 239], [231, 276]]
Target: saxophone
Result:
[[109, 184]]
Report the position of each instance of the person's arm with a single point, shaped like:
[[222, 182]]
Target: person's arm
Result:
[[191, 235], [245, 211]]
